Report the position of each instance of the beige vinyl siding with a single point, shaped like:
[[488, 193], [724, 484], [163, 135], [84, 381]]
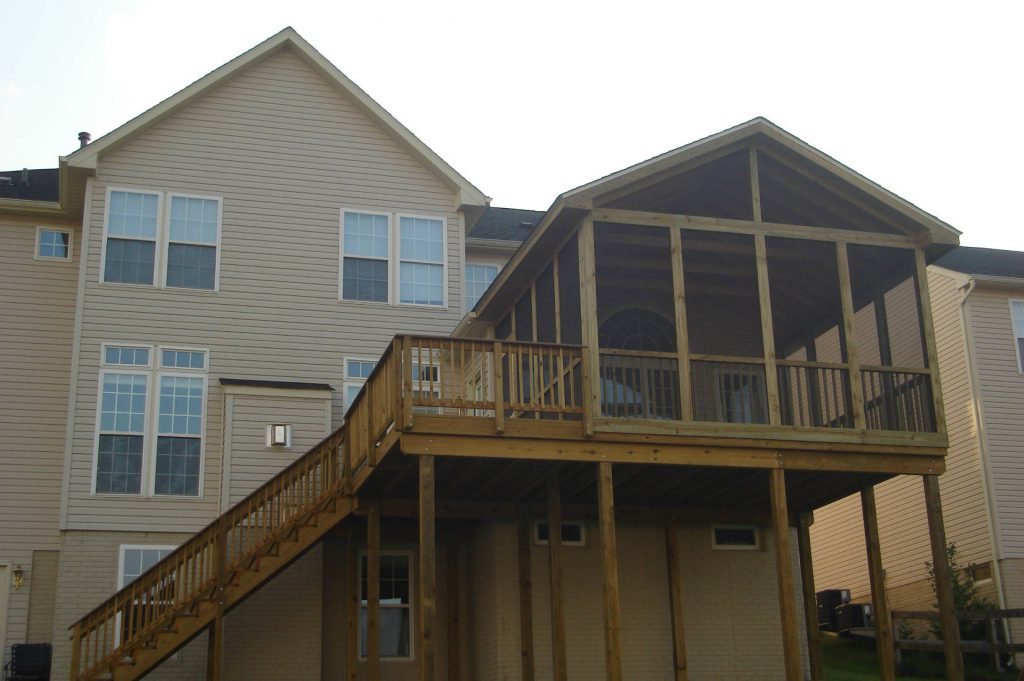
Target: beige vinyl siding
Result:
[[252, 462], [1002, 406], [287, 152], [37, 309], [840, 559]]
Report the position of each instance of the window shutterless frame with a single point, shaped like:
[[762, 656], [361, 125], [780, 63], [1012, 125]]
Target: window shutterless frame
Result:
[[1017, 326], [153, 371], [40, 230], [390, 256], [162, 239], [167, 241], [411, 607], [398, 259], [394, 259], [355, 382], [754, 545]]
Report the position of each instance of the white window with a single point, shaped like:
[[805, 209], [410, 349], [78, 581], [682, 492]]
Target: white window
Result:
[[133, 562], [1017, 313], [421, 261], [735, 537], [143, 245], [478, 279], [151, 421], [390, 258], [53, 244], [357, 370], [395, 605], [573, 533]]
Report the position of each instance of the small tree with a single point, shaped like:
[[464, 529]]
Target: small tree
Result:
[[965, 594]]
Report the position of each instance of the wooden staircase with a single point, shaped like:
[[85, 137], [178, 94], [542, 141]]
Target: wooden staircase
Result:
[[181, 596]]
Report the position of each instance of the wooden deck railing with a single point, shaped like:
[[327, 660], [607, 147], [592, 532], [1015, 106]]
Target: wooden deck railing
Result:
[[197, 568], [993, 643], [898, 399], [814, 394]]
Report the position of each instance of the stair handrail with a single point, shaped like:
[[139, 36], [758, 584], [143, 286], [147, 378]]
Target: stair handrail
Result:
[[159, 593]]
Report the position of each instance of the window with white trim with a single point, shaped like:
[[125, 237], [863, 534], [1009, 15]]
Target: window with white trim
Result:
[[421, 261], [735, 537], [573, 533], [356, 372], [365, 260], [479, 277], [133, 562], [53, 244], [395, 605], [176, 246], [391, 258], [1017, 314], [151, 421]]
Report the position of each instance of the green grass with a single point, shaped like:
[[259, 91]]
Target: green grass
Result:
[[855, 660]]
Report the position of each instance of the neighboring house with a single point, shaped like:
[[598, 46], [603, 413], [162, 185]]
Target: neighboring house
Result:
[[977, 297], [242, 394]]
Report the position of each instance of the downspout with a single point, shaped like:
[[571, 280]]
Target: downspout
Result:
[[983, 457]]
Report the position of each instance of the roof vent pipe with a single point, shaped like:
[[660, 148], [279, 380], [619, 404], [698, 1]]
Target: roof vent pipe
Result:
[[83, 139], [24, 177]]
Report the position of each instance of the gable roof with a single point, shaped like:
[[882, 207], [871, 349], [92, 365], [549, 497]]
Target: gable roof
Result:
[[506, 224], [468, 194], [986, 262], [585, 195]]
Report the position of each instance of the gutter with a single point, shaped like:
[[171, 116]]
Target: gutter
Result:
[[983, 451]]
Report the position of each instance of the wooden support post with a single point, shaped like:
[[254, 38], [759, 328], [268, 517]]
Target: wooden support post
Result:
[[406, 419], [453, 606], [588, 319], [846, 296], [675, 600], [771, 376], [499, 389], [609, 572], [558, 656], [682, 332], [76, 650], [215, 631], [810, 600], [928, 338], [352, 606], [525, 599], [784, 573], [373, 591], [428, 568], [884, 641], [943, 579], [755, 185]]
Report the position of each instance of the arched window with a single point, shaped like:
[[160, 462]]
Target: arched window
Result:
[[637, 329]]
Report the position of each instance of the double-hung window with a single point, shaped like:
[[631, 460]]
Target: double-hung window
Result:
[[478, 279], [421, 264], [365, 258], [1017, 315], [133, 562], [151, 421], [395, 605], [388, 258], [163, 239]]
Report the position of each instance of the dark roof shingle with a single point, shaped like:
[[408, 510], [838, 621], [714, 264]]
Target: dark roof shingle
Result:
[[30, 185], [506, 224], [991, 262]]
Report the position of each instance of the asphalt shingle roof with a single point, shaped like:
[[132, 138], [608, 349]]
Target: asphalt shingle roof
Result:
[[31, 185], [507, 224], [992, 262]]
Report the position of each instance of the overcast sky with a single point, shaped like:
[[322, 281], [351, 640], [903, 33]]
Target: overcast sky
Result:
[[529, 99]]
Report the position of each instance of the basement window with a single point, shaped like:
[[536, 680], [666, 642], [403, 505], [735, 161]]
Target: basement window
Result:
[[735, 538], [573, 533]]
